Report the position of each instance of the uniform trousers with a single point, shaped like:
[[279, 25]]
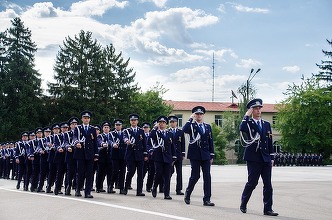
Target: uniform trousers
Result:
[[132, 166], [195, 175], [84, 170], [118, 173], [178, 168], [162, 176], [255, 170]]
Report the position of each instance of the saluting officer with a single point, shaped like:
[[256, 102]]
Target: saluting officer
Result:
[[200, 153], [86, 152], [259, 155], [163, 155], [179, 143], [135, 154], [118, 150]]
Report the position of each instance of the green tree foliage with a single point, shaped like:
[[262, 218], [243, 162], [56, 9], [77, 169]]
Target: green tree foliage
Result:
[[150, 104], [326, 68], [305, 119], [220, 143], [89, 76], [20, 82]]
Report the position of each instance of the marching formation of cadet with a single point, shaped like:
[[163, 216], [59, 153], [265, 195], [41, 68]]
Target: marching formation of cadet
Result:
[[68, 154], [299, 159]]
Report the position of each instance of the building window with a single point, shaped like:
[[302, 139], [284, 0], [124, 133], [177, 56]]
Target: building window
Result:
[[274, 118], [180, 119], [218, 120]]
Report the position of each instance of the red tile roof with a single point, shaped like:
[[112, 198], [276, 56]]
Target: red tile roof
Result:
[[213, 106]]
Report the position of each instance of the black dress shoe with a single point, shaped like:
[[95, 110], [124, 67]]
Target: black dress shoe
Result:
[[130, 188], [208, 203], [168, 197], [56, 191], [78, 194], [271, 213], [102, 190], [67, 191], [243, 209], [124, 192], [60, 193], [179, 193], [18, 186], [92, 189], [110, 190], [25, 188], [140, 194], [88, 196], [187, 198], [97, 191], [154, 193], [148, 190]]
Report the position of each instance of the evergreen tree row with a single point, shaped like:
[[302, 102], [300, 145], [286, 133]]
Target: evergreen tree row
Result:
[[87, 76]]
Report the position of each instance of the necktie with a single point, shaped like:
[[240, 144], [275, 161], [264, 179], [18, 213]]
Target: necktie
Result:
[[259, 125], [201, 127], [86, 129], [135, 131]]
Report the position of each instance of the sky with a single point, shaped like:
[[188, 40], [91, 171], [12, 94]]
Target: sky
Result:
[[173, 42]]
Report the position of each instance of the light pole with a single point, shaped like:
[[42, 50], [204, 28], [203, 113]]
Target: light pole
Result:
[[249, 80]]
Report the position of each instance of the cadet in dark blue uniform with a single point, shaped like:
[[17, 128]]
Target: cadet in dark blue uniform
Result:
[[200, 153], [20, 157], [150, 164], [51, 153], [104, 169], [43, 151], [179, 143], [30, 149], [259, 154], [86, 152], [163, 155], [135, 154], [118, 151], [34, 146], [69, 160], [59, 157]]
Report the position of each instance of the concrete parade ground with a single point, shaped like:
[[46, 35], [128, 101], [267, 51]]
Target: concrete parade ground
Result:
[[299, 193]]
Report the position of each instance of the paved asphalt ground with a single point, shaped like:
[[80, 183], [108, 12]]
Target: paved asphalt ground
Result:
[[299, 193]]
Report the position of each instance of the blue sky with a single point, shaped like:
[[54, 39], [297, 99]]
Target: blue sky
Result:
[[172, 41]]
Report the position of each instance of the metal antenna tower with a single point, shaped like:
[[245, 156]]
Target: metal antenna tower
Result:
[[213, 77]]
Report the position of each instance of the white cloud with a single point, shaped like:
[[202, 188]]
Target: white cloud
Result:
[[9, 13], [158, 3], [95, 7], [221, 8], [218, 54], [242, 8], [291, 69], [42, 10], [249, 63]]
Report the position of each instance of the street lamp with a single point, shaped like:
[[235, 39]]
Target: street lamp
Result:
[[249, 80]]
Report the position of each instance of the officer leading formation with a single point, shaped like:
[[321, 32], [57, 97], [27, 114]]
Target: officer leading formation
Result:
[[258, 154]]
